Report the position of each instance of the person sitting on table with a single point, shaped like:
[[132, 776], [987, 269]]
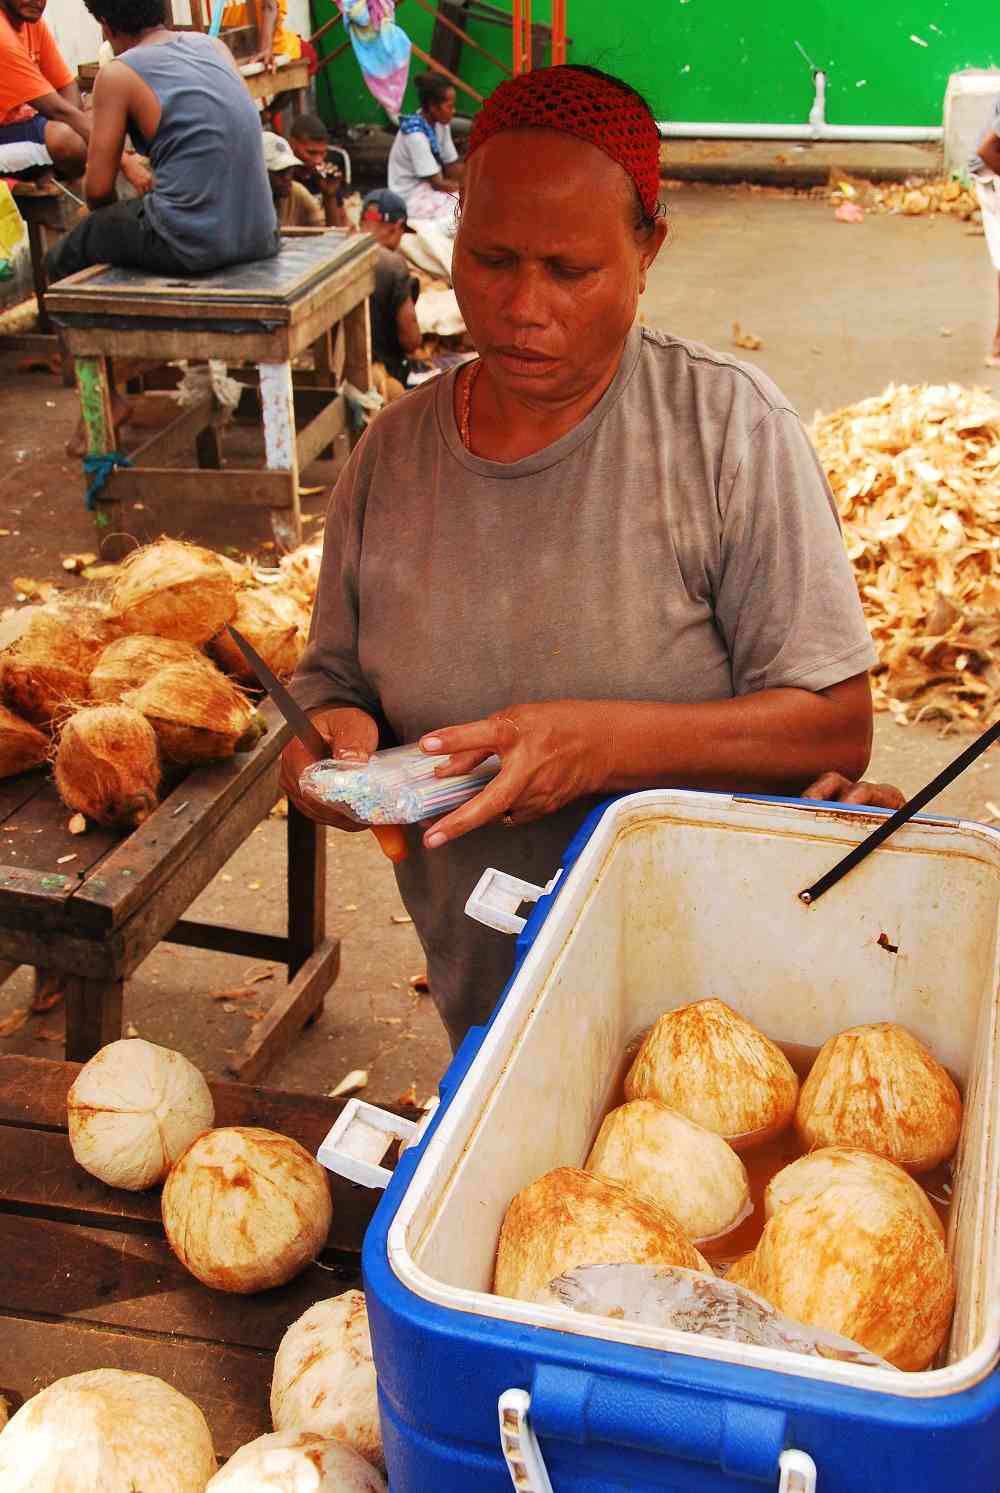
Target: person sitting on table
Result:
[[620, 565], [294, 205], [391, 311], [424, 168], [39, 98], [179, 96], [310, 140], [274, 38]]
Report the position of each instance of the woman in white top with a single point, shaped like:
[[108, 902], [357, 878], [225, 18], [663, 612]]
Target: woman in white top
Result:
[[424, 168]]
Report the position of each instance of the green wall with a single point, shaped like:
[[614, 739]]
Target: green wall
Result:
[[717, 60]]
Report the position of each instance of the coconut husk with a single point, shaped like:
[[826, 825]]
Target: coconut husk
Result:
[[915, 473], [300, 573], [43, 674], [174, 590], [107, 766], [22, 746], [273, 624], [197, 713], [129, 662]]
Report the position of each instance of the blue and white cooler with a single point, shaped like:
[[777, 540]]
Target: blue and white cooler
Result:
[[667, 897]]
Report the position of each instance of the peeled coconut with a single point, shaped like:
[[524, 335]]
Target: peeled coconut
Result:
[[107, 1431], [878, 1088], [127, 663], [108, 766], [270, 624], [811, 1175], [708, 1062], [133, 1109], [174, 590], [667, 1158], [296, 1462], [324, 1376], [856, 1260], [246, 1209], [570, 1218], [197, 713], [22, 746]]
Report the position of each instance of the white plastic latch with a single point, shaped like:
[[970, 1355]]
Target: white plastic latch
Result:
[[519, 1444], [497, 896], [356, 1144], [797, 1472]]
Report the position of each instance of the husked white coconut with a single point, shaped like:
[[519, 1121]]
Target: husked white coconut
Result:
[[133, 1109], [711, 1064], [678, 1165], [879, 1088], [246, 1209], [569, 1218], [857, 1261], [107, 1431], [324, 1376], [296, 1462], [812, 1174]]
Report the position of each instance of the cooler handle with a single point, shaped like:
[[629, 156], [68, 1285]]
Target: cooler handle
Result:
[[497, 896], [797, 1472], [357, 1142]]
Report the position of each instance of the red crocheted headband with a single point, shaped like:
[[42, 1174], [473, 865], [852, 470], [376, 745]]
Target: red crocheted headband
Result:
[[592, 108]]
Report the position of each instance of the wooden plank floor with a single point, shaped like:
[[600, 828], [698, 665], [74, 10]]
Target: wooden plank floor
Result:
[[90, 1281]]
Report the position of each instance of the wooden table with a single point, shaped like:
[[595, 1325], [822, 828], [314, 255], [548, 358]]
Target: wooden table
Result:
[[41, 210], [90, 1282], [86, 923], [266, 313]]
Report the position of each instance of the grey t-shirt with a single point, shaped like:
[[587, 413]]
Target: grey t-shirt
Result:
[[680, 544]]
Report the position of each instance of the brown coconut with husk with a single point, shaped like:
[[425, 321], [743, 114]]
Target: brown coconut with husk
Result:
[[107, 766], [129, 662], [174, 590], [197, 713], [274, 624], [22, 745], [43, 674]]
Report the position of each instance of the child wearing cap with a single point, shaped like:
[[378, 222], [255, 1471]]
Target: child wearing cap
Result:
[[295, 206], [395, 332]]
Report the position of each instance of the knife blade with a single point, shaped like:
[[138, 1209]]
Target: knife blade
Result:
[[315, 744]]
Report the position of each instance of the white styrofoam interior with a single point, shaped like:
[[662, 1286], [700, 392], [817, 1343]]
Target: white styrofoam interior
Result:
[[679, 896]]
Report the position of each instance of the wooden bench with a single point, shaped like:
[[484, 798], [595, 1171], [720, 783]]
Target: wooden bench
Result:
[[267, 313], [90, 1282], [85, 910]]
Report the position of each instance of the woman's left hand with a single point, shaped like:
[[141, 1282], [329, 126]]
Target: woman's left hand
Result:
[[551, 753]]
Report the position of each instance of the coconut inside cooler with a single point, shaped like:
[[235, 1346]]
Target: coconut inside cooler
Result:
[[678, 896]]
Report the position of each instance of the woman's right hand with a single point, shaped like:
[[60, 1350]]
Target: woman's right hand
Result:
[[352, 735]]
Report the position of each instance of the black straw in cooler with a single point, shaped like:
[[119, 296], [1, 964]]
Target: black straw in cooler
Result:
[[895, 821]]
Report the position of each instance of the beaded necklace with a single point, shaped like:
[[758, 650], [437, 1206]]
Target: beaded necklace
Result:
[[465, 418]]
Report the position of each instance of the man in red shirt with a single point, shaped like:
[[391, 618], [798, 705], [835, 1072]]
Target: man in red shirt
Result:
[[39, 99]]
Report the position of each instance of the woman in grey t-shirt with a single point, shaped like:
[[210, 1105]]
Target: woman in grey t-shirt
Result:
[[607, 554]]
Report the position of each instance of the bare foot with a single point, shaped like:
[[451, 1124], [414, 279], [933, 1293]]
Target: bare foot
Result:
[[121, 410], [992, 360]]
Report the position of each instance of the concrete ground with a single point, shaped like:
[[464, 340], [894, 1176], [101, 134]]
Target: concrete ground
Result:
[[842, 310]]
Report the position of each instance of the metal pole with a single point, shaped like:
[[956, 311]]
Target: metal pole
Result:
[[463, 36], [558, 31]]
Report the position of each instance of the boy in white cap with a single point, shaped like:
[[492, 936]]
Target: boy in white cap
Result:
[[295, 206]]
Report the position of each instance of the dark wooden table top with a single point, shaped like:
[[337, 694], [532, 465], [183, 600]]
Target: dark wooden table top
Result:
[[89, 1280], [301, 263], [55, 882]]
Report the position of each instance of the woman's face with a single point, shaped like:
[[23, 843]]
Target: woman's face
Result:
[[547, 267], [443, 111]]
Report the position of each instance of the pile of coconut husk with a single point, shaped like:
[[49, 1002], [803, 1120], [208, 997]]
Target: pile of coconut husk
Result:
[[123, 686], [916, 475], [917, 197]]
